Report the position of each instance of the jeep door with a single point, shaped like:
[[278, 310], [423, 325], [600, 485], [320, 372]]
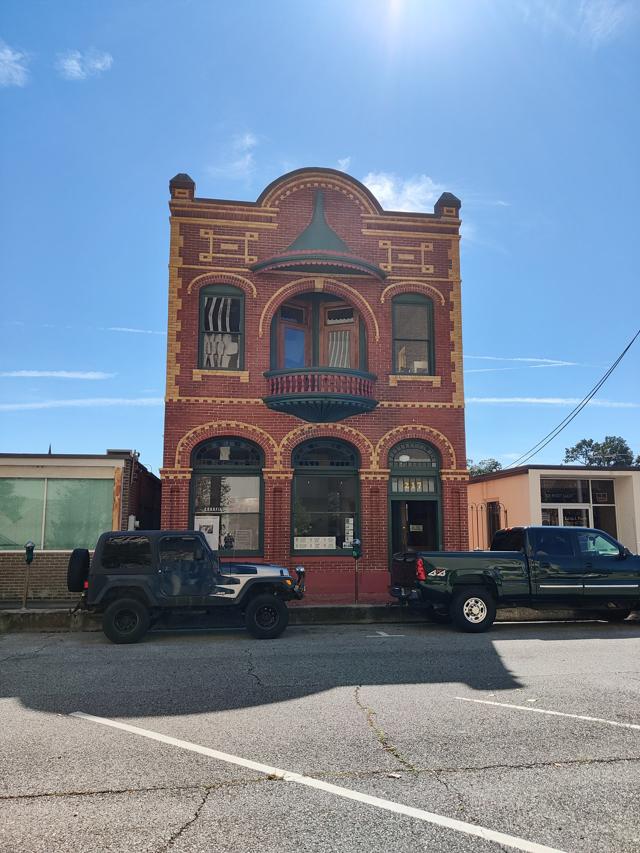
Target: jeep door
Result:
[[608, 572], [186, 569], [556, 567]]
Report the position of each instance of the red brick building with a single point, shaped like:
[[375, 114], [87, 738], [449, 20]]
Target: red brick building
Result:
[[314, 378]]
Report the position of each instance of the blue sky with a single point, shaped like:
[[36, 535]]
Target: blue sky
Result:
[[525, 110]]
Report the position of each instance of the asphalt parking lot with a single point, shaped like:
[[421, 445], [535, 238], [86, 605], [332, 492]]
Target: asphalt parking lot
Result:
[[333, 738]]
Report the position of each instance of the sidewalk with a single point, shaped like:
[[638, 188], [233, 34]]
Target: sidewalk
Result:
[[57, 616]]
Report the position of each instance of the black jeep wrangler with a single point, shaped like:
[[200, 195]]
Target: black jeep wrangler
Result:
[[137, 576]]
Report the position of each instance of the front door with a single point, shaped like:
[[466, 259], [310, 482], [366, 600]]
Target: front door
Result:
[[186, 569], [557, 572], [414, 526], [608, 574]]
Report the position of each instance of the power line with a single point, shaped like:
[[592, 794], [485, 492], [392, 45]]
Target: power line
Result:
[[533, 451]]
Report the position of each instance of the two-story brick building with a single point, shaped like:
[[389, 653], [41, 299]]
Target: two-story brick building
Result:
[[314, 378]]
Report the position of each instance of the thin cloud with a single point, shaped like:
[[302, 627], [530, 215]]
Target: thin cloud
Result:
[[417, 194], [14, 69], [129, 330], [522, 363], [56, 374], [344, 163], [75, 65], [593, 22], [88, 403], [551, 401], [240, 160]]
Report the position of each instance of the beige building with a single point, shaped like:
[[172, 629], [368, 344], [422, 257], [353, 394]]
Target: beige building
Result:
[[572, 495]]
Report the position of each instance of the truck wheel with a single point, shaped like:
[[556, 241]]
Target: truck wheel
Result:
[[126, 620], [473, 609], [617, 615], [78, 569], [266, 617]]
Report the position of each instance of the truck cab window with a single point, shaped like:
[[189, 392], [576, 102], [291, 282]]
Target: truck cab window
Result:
[[597, 545], [554, 544]]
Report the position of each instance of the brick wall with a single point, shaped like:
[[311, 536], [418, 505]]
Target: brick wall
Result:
[[48, 576], [420, 254]]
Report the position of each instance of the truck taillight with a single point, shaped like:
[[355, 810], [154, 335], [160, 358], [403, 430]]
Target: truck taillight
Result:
[[85, 585], [421, 575]]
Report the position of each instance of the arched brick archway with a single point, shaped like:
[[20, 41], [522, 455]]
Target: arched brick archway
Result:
[[217, 429], [427, 433], [419, 287], [196, 284], [341, 431], [312, 285]]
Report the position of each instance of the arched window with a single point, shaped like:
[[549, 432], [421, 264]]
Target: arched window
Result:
[[415, 468], [226, 487], [413, 345], [221, 344], [325, 497]]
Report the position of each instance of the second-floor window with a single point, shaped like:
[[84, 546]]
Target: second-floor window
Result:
[[413, 349], [221, 328]]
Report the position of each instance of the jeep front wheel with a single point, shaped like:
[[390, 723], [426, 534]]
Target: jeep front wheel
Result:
[[473, 609], [126, 620], [266, 617]]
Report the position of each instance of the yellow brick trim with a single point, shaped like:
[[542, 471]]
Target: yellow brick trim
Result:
[[231, 401], [320, 180], [281, 294], [374, 474], [435, 235], [402, 404], [239, 428], [394, 378], [233, 278], [198, 374], [330, 430], [230, 223], [417, 285], [277, 473]]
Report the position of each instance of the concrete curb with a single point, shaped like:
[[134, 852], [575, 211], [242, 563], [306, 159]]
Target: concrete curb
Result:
[[57, 619]]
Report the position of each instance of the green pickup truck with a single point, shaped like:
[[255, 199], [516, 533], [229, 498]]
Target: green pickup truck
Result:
[[539, 567]]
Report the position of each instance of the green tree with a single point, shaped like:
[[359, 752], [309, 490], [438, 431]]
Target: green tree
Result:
[[484, 466], [612, 450]]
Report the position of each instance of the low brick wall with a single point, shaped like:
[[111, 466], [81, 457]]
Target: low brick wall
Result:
[[47, 581]]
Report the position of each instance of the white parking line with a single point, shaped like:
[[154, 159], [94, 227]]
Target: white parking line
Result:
[[552, 713], [388, 805]]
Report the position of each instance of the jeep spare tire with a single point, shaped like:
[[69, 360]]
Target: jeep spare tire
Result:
[[78, 569], [266, 617]]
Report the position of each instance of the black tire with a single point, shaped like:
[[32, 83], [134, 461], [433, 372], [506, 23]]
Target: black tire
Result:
[[617, 615], [473, 609], [266, 617], [126, 620], [78, 569], [438, 617]]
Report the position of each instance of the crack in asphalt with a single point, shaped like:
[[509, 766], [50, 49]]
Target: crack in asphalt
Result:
[[251, 670], [381, 736], [185, 826], [31, 654], [142, 790]]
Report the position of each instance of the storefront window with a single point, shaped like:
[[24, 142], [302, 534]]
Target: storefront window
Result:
[[56, 514], [325, 496], [227, 494], [595, 497]]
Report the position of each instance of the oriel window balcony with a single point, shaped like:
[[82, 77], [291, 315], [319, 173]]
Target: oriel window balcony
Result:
[[319, 361]]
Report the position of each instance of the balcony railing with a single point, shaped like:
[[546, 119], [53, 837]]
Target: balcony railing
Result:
[[321, 394]]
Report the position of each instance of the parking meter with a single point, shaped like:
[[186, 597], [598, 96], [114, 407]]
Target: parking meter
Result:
[[356, 549], [29, 548]]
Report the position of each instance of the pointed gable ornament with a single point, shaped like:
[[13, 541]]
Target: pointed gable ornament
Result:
[[318, 249]]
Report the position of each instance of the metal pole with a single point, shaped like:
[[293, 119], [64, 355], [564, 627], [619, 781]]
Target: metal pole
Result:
[[25, 593], [356, 581]]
